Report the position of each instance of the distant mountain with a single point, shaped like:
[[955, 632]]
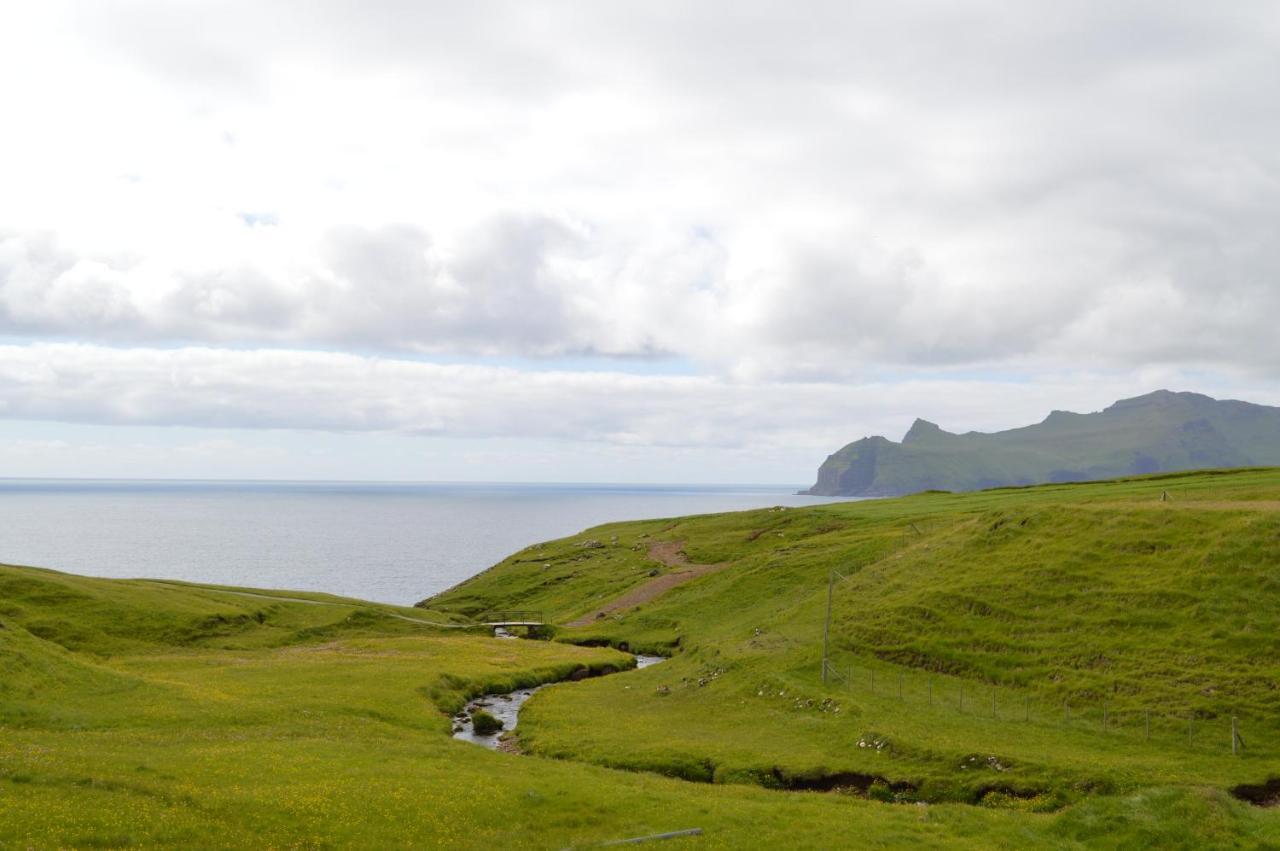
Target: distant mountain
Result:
[[1148, 434]]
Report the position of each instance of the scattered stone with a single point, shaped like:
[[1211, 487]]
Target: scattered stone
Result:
[[876, 744], [591, 544]]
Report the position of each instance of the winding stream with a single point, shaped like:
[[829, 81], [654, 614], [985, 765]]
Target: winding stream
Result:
[[506, 708]]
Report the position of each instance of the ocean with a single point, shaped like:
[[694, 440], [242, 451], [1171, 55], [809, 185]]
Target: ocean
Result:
[[389, 542]]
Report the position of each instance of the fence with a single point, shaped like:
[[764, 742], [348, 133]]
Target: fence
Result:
[[943, 693], [940, 693]]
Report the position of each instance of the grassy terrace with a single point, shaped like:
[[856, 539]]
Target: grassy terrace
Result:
[[136, 713]]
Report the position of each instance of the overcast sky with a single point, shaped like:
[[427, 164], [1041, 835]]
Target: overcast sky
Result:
[[650, 241]]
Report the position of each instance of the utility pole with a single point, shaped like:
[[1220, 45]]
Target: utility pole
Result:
[[826, 630]]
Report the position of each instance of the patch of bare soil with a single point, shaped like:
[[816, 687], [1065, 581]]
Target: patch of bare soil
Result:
[[669, 553], [510, 744], [1265, 794]]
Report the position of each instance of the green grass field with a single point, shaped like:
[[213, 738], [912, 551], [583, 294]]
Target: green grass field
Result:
[[140, 713], [1062, 602]]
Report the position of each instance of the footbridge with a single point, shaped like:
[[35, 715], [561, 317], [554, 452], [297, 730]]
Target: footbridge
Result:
[[514, 617]]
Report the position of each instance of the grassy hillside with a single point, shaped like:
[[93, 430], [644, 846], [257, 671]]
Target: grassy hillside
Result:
[[139, 713], [1102, 597], [161, 715], [1161, 431]]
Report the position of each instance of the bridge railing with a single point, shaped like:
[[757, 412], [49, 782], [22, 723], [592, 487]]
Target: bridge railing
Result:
[[514, 616]]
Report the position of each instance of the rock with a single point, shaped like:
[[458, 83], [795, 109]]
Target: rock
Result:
[[485, 724], [591, 544]]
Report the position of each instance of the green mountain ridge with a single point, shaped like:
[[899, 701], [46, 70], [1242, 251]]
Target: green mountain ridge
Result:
[[1160, 432]]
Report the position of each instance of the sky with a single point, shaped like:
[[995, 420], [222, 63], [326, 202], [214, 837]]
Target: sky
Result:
[[625, 241]]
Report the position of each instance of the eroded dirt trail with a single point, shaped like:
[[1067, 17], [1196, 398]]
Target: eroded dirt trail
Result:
[[669, 553]]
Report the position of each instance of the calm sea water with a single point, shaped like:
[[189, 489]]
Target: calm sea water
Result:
[[395, 543]]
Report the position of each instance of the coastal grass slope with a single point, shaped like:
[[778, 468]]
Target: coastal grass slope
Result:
[[1072, 616], [144, 714], [137, 713]]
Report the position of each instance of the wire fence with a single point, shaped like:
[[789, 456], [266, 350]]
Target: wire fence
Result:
[[1220, 729], [1198, 729], [1220, 732]]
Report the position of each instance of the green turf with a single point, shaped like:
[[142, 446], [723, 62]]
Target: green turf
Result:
[[1061, 602], [141, 713]]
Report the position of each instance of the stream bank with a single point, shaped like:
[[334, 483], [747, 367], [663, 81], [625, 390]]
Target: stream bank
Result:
[[506, 708]]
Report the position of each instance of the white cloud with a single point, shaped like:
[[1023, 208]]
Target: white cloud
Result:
[[279, 389], [794, 202]]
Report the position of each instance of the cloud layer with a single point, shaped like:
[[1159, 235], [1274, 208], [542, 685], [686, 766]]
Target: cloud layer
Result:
[[277, 389], [784, 201]]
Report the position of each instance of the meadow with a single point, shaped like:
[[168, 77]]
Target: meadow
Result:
[[139, 713], [1104, 634]]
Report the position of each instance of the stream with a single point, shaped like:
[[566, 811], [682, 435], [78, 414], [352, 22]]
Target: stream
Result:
[[506, 708]]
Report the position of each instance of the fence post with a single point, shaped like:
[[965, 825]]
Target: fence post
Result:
[[826, 629]]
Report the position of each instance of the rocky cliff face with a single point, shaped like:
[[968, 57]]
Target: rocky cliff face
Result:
[[1161, 431]]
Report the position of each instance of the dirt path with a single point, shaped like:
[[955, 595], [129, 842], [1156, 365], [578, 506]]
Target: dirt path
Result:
[[669, 553]]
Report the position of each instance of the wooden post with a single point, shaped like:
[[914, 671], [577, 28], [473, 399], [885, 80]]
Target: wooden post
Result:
[[826, 630]]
